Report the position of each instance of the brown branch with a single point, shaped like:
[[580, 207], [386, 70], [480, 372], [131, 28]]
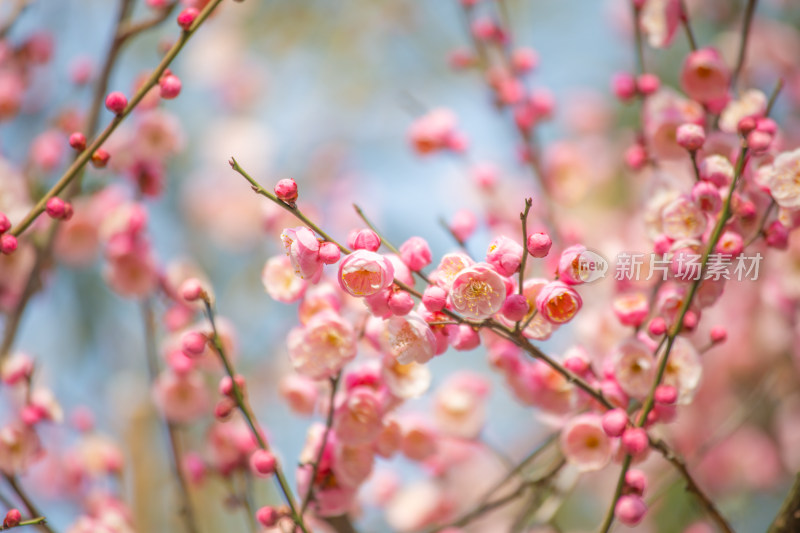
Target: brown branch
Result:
[[788, 518], [27, 502], [172, 430], [328, 425], [72, 172], [742, 55]]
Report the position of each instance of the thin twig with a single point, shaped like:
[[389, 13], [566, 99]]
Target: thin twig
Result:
[[18, 9], [44, 251], [241, 403], [515, 337], [172, 431], [520, 491], [334, 382], [687, 26], [386, 243], [638, 38], [27, 502], [742, 55], [649, 402], [86, 155], [32, 522], [524, 219]]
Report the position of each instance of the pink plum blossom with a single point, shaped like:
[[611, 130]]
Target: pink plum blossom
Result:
[[477, 292], [321, 347], [558, 302], [364, 273], [585, 444]]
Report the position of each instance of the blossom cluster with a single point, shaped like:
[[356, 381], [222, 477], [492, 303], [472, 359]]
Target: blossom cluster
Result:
[[684, 378]]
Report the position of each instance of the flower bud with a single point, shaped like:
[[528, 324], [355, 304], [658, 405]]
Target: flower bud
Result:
[[286, 190], [691, 136], [116, 102], [169, 86], [12, 519], [8, 244], [262, 463], [187, 17], [77, 140], [539, 244]]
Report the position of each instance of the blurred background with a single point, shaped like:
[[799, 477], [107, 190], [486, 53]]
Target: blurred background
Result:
[[323, 92]]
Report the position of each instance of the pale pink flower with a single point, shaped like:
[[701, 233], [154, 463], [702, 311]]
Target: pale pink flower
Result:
[[449, 267], [463, 224], [416, 506], [405, 381], [181, 398], [230, 444], [464, 337], [389, 439], [321, 297], [364, 273], [401, 270], [751, 103], [631, 308], [664, 112], [634, 367], [280, 281], [43, 402], [409, 339], [16, 368], [320, 348], [746, 458], [231, 217], [539, 384], [705, 76], [158, 135], [707, 196], [478, 292], [783, 179], [660, 20], [684, 369], [332, 496], [558, 302], [683, 219], [78, 241], [505, 255], [415, 253], [133, 274], [716, 169], [14, 271], [302, 247], [585, 444], [19, 448], [352, 464], [47, 150], [419, 438], [300, 393], [381, 488], [460, 405], [358, 419], [433, 131], [539, 327], [570, 270], [94, 457]]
